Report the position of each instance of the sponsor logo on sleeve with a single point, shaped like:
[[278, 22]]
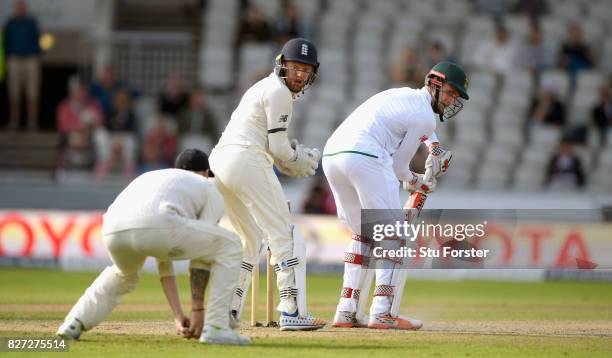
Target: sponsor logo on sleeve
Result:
[[283, 118]]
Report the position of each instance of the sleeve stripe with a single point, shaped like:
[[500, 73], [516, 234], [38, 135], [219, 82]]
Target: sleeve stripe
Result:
[[276, 130]]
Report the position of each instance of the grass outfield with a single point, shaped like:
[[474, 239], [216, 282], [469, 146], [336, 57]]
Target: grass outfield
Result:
[[468, 318]]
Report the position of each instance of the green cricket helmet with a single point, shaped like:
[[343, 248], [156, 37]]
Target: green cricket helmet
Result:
[[452, 74]]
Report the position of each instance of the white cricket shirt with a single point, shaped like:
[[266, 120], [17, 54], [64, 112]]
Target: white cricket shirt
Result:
[[264, 110], [389, 125], [163, 198]]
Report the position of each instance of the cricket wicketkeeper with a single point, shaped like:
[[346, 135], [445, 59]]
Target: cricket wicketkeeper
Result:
[[364, 159], [254, 140]]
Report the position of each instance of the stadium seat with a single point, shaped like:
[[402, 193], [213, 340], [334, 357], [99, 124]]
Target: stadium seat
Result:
[[518, 81], [589, 80], [558, 80], [554, 29], [600, 180], [458, 178], [566, 10], [544, 137], [518, 26], [271, 8], [382, 7], [528, 178], [254, 58], [474, 136], [493, 177], [482, 80], [536, 158], [217, 67]]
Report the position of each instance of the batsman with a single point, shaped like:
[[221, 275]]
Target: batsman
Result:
[[363, 161], [254, 140]]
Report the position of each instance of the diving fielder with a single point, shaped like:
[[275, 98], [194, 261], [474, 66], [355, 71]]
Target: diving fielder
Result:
[[169, 214], [364, 159], [254, 140]]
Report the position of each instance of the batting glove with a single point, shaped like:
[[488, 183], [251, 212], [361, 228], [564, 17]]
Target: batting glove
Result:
[[438, 160], [420, 183]]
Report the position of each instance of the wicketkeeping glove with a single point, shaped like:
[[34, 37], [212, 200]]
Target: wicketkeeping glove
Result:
[[303, 164]]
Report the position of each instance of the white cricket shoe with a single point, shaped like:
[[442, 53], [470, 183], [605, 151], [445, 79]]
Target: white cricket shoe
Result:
[[295, 322], [71, 329], [386, 321], [218, 335], [346, 319]]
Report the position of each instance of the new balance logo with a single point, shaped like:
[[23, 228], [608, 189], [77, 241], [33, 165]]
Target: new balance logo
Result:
[[305, 49]]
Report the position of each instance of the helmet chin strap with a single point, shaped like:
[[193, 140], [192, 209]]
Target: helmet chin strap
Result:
[[436, 103]]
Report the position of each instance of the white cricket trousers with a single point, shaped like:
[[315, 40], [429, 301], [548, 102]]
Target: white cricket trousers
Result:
[[257, 208], [207, 246], [359, 181]]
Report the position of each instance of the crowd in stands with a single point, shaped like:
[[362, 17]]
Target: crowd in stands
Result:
[[101, 129], [504, 56]]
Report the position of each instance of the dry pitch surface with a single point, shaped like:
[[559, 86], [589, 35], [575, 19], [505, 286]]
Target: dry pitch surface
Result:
[[470, 318]]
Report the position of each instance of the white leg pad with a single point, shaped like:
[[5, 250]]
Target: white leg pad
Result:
[[242, 289], [291, 274]]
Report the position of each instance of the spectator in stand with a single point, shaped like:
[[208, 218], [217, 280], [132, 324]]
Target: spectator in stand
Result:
[[119, 145], [320, 199], [22, 51], [159, 146], [289, 24], [499, 55], [198, 120], [408, 70], [565, 169], [106, 87], [575, 54], [174, 98], [546, 108], [602, 112], [536, 55], [254, 27], [79, 122]]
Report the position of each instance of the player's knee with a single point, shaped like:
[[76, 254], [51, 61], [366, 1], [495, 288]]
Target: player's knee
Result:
[[128, 283]]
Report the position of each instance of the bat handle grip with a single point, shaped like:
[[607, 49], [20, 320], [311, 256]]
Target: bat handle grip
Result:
[[417, 200]]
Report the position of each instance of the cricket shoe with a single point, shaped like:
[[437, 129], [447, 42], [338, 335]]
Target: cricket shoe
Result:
[[346, 319], [217, 335], [71, 329], [386, 321], [295, 322]]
